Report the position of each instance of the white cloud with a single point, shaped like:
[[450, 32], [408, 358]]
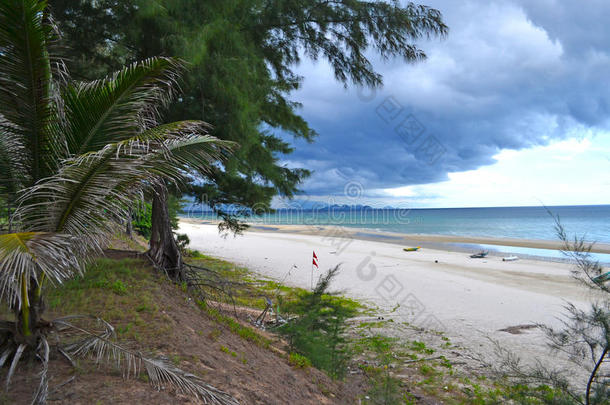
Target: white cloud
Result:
[[574, 171]]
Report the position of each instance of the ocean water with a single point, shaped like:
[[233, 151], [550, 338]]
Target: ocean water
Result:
[[591, 222]]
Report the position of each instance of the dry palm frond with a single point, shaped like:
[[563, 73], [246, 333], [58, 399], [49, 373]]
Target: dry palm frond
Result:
[[133, 363], [14, 363], [42, 352], [26, 256]]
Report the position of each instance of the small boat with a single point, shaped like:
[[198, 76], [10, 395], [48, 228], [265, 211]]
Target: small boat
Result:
[[412, 249], [602, 278], [510, 258], [479, 255]]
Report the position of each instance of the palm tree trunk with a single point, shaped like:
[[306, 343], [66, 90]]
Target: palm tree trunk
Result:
[[28, 315], [129, 224], [164, 250]]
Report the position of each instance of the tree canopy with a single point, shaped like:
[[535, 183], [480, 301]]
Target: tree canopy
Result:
[[243, 55]]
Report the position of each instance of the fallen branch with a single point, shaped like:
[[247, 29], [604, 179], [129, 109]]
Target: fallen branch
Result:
[[426, 359]]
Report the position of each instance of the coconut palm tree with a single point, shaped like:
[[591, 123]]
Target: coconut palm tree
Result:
[[74, 156]]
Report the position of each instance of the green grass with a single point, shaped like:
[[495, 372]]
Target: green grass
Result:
[[298, 360], [228, 351], [123, 292], [237, 328], [250, 289], [420, 347], [120, 291]]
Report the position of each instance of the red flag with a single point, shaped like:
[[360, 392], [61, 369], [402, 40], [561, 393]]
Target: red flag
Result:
[[314, 261], [314, 255]]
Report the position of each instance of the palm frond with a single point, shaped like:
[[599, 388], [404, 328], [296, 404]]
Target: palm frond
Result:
[[14, 363], [14, 173], [92, 190], [117, 108], [132, 363], [26, 88], [42, 391], [189, 153], [26, 256]]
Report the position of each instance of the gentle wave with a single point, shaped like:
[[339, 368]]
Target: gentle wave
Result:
[[591, 222]]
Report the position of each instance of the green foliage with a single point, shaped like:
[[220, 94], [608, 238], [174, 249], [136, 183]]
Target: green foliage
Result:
[[183, 241], [299, 361], [319, 331], [385, 389], [119, 288], [234, 326], [78, 154], [517, 394], [243, 54], [371, 325], [193, 254], [228, 351], [420, 347], [142, 219]]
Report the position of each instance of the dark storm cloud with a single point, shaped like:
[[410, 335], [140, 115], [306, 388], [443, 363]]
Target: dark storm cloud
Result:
[[511, 75]]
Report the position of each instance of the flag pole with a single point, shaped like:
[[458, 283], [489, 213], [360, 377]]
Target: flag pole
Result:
[[314, 262], [311, 279]]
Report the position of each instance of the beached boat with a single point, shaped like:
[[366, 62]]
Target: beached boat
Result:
[[510, 258], [412, 249], [479, 255], [602, 279]]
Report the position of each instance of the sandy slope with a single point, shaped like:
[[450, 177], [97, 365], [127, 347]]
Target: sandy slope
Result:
[[181, 332], [468, 299]]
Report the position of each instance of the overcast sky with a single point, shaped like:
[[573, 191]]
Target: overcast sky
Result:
[[513, 108]]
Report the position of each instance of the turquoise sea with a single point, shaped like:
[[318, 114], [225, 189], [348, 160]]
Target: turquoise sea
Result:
[[591, 222]]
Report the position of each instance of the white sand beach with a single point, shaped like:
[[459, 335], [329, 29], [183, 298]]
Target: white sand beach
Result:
[[469, 300]]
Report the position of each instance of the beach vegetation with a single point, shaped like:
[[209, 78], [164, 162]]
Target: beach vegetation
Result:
[[141, 219], [319, 330], [372, 325], [385, 387], [234, 326], [584, 337], [298, 360], [420, 347], [228, 351], [75, 156]]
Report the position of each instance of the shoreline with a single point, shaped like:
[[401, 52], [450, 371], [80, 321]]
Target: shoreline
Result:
[[452, 243]]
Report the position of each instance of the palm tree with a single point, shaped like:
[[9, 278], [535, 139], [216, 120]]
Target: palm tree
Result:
[[74, 156]]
